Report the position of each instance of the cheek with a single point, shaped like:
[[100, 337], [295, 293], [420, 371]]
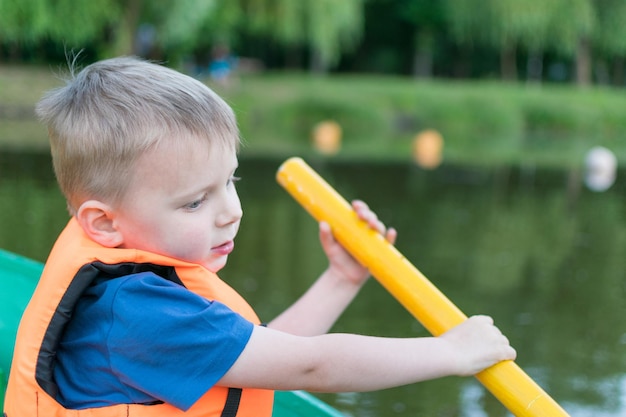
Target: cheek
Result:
[[188, 238], [154, 234]]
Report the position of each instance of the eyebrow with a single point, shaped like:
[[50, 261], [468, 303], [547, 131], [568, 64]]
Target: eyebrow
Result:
[[207, 187]]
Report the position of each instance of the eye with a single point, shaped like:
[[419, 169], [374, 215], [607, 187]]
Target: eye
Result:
[[194, 205]]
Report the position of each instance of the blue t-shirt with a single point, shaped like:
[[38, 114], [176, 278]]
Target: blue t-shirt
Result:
[[143, 339]]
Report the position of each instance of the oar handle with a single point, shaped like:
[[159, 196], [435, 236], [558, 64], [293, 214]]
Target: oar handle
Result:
[[506, 381]]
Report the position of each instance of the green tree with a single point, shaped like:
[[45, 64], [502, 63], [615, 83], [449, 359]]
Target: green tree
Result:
[[469, 24], [327, 27], [609, 35], [67, 22], [562, 25], [22, 23], [429, 21], [182, 25], [125, 29], [77, 23], [505, 25], [522, 24], [572, 25]]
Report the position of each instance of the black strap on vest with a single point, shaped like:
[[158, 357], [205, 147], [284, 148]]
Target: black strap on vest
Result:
[[232, 403], [86, 276]]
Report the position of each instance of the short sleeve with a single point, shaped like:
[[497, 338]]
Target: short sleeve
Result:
[[171, 343]]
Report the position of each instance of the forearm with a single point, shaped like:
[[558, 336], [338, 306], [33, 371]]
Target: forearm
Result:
[[373, 363], [317, 310], [340, 362], [345, 362]]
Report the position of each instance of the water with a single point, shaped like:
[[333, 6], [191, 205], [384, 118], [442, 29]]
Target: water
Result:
[[534, 249]]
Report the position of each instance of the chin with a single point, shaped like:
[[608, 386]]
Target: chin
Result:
[[214, 266]]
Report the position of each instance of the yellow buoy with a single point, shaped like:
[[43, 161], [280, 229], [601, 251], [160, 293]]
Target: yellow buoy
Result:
[[327, 137], [428, 149]]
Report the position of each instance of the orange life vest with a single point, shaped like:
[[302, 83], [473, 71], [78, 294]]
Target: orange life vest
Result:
[[31, 388]]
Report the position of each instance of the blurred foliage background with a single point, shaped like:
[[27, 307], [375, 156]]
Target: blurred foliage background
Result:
[[581, 41], [504, 81]]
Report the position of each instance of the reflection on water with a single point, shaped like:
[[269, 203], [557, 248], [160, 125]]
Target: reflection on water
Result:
[[535, 250]]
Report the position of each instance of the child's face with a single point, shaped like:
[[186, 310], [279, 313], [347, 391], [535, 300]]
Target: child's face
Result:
[[183, 204]]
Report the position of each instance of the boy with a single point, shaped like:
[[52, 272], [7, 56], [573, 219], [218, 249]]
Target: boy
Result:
[[129, 317]]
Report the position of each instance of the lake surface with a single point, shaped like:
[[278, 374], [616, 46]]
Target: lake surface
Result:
[[534, 249]]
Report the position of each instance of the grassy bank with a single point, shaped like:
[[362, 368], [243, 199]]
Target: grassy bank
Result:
[[481, 122]]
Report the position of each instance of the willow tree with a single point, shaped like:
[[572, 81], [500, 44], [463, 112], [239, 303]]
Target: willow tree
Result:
[[522, 24], [75, 24], [609, 35], [571, 31], [326, 27], [467, 21], [66, 22], [505, 25], [181, 25], [427, 19], [486, 23], [22, 23], [332, 27], [564, 26]]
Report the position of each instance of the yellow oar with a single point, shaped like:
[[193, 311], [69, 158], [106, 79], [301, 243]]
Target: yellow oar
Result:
[[506, 381]]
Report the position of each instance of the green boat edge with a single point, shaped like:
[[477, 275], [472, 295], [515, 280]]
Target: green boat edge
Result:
[[19, 276]]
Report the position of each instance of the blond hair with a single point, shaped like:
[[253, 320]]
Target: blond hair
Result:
[[115, 110]]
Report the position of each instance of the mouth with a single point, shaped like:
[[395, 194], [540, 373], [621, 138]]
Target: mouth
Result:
[[225, 248]]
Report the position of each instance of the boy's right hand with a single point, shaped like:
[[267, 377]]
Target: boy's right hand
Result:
[[477, 345]]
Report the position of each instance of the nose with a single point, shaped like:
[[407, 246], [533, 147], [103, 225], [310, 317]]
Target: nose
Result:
[[231, 211]]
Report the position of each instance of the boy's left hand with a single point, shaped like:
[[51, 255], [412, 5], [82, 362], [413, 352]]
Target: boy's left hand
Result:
[[341, 262]]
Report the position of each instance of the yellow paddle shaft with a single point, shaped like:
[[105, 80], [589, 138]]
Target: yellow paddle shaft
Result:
[[505, 380]]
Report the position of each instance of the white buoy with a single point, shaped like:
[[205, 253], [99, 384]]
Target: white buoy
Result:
[[600, 168]]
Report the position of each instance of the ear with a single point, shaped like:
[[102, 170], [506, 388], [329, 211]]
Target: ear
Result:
[[97, 220]]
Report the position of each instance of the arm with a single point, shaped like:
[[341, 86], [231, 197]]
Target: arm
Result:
[[318, 309], [345, 362]]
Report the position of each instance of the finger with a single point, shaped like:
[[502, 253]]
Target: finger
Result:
[[364, 212], [371, 219], [326, 236], [367, 215], [359, 204], [482, 318], [391, 235]]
